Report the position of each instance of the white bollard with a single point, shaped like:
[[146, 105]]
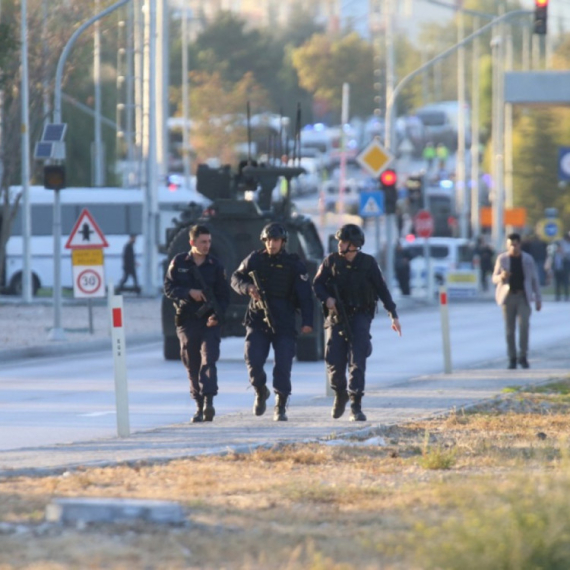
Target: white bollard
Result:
[[120, 359], [444, 312]]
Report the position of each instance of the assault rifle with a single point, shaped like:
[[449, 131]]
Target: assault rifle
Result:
[[340, 317], [262, 303], [211, 303]]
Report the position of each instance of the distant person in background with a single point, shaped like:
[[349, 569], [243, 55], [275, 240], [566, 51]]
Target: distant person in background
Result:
[[129, 265], [516, 279], [485, 253], [538, 249], [565, 244], [442, 153], [429, 155], [554, 267], [403, 270]]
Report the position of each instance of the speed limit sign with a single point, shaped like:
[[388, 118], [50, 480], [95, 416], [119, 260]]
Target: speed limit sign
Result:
[[88, 281]]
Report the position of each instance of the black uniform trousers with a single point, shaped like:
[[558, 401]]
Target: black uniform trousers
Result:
[[199, 352], [257, 345], [339, 354]]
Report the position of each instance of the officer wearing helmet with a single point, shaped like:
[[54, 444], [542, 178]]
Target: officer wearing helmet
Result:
[[285, 284], [355, 277]]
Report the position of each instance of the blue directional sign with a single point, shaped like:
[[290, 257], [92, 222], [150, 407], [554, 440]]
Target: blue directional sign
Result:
[[371, 204], [564, 163], [551, 229]]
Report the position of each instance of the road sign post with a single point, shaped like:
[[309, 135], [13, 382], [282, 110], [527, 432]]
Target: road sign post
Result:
[[372, 206], [120, 360], [375, 159], [444, 313], [423, 224]]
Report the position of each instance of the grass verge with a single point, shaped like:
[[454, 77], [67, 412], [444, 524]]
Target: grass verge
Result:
[[486, 489]]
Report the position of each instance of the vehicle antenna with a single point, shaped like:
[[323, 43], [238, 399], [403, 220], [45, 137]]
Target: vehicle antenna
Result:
[[248, 135]]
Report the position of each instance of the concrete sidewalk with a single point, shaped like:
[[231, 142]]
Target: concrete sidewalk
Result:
[[309, 420]]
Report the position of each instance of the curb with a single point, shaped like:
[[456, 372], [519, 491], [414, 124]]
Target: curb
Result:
[[63, 348]]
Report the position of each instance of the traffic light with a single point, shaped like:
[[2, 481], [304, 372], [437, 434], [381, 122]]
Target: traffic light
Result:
[[54, 177], [540, 16], [388, 180], [415, 186]]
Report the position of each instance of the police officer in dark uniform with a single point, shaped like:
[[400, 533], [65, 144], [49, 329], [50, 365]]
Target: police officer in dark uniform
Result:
[[197, 321], [285, 286], [356, 278]]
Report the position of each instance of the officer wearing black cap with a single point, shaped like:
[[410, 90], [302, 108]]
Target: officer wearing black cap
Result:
[[355, 277], [285, 285], [198, 325]]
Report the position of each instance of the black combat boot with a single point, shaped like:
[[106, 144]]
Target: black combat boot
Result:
[[199, 415], [260, 402], [339, 405], [208, 409], [279, 414], [512, 363], [356, 414]]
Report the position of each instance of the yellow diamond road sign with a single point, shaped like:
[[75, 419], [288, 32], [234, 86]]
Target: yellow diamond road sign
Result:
[[374, 158]]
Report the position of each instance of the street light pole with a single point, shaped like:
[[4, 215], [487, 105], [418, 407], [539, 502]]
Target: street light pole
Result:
[[390, 135], [57, 332]]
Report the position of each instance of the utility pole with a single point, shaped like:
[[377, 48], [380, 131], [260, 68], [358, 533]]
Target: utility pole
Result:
[[185, 101], [97, 153], [25, 167], [390, 133], [460, 166], [160, 63], [475, 98], [150, 209], [498, 141], [509, 195]]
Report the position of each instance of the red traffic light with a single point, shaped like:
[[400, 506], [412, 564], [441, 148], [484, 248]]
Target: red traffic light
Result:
[[388, 177]]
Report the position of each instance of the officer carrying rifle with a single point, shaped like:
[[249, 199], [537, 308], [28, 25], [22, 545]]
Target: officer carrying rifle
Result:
[[278, 284], [349, 284], [196, 282]]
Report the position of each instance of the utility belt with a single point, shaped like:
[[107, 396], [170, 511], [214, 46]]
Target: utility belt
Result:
[[183, 316]]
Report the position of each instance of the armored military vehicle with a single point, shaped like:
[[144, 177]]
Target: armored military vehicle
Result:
[[235, 224]]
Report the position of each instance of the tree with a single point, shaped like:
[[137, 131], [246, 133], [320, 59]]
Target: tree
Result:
[[535, 150], [217, 109], [324, 64]]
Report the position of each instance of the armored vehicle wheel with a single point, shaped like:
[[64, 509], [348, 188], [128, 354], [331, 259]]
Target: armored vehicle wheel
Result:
[[171, 348]]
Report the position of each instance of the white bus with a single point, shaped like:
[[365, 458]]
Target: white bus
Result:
[[118, 213]]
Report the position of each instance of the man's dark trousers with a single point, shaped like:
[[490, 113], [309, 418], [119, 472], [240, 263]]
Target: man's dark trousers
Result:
[[199, 351]]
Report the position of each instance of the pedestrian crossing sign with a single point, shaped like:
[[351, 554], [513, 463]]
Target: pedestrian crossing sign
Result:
[[371, 204]]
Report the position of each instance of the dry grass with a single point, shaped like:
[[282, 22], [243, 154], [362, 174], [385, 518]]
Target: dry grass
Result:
[[486, 489]]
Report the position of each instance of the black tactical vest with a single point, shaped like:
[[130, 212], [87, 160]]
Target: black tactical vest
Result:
[[277, 274], [355, 287]]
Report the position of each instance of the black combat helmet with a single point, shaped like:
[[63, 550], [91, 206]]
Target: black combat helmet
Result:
[[273, 230], [351, 233]]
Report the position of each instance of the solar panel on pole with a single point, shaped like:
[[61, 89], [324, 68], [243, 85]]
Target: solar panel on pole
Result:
[[54, 132]]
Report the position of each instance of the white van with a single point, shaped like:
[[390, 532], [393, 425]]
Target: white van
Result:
[[118, 212]]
